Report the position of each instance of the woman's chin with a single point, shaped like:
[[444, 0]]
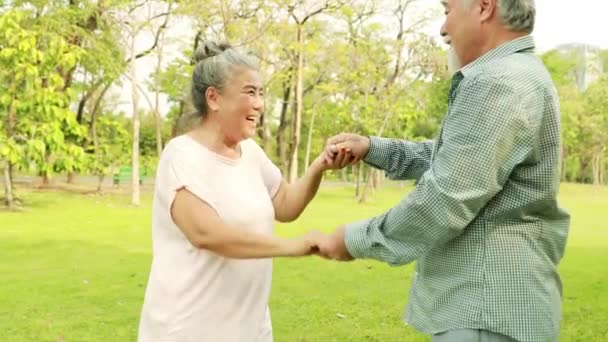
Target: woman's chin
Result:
[[248, 133]]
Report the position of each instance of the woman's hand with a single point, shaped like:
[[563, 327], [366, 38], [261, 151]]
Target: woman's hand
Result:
[[336, 161], [305, 245]]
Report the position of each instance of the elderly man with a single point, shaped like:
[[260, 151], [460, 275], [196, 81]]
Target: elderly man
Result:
[[483, 221]]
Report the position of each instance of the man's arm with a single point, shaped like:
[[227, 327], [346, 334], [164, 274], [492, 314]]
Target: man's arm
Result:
[[485, 136], [400, 159]]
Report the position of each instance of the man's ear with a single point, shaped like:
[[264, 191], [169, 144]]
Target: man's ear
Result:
[[212, 95], [487, 8]]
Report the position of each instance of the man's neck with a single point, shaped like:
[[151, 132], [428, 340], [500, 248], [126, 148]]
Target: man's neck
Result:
[[499, 39]]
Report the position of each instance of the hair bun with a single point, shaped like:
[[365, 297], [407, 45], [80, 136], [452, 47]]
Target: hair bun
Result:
[[209, 49]]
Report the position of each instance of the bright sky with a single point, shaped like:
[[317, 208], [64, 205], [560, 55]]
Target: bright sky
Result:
[[557, 22], [566, 21]]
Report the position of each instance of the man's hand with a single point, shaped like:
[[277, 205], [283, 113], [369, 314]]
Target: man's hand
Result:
[[356, 145], [335, 161], [333, 246]]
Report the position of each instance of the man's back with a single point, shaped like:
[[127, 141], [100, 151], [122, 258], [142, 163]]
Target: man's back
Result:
[[500, 274]]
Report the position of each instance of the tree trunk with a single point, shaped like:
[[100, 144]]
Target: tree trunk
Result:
[[359, 177], [93, 130], [11, 174], [378, 179], [297, 122], [266, 135], [159, 139], [85, 97], [366, 188], [600, 171], [100, 178], [177, 120], [8, 188], [601, 164], [582, 171], [309, 139], [71, 177], [11, 122], [135, 200], [597, 165], [46, 180], [371, 175], [283, 124], [95, 115], [564, 171]]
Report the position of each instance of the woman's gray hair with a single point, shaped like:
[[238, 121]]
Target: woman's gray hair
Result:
[[518, 15], [214, 64]]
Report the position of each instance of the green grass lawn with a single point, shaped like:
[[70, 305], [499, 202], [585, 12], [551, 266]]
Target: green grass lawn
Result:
[[73, 267]]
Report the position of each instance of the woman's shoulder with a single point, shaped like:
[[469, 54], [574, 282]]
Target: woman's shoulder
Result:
[[179, 142], [184, 145], [181, 149], [250, 146]]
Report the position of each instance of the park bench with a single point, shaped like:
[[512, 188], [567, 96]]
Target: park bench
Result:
[[124, 173]]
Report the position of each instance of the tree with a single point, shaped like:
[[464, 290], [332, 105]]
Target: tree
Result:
[[596, 125], [111, 148], [584, 123], [133, 27], [159, 65], [34, 106], [300, 14]]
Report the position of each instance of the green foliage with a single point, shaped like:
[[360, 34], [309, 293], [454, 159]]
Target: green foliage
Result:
[[561, 67], [604, 60], [584, 115], [596, 109], [359, 75], [174, 80], [147, 140], [113, 145], [34, 107]]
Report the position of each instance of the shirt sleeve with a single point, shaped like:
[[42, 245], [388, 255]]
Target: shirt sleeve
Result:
[[177, 171], [271, 174], [485, 135], [400, 159]]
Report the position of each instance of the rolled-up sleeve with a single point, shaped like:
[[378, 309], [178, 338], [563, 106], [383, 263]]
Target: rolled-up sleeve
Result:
[[400, 159]]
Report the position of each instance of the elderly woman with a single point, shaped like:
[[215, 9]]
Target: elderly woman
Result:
[[216, 197]]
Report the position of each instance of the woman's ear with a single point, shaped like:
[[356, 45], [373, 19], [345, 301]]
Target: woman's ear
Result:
[[212, 97]]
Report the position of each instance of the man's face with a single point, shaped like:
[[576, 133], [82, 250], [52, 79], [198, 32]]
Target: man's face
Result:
[[461, 29]]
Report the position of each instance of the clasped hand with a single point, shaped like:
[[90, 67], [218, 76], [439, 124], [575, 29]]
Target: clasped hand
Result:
[[328, 246], [340, 151]]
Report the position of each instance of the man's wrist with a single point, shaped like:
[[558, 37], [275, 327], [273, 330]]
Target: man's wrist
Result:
[[369, 146]]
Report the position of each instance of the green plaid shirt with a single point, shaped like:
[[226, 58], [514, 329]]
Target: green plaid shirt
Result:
[[483, 221]]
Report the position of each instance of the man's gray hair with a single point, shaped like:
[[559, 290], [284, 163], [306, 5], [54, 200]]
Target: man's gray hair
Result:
[[518, 15], [214, 65]]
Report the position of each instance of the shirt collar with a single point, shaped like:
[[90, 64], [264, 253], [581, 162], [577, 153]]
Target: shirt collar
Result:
[[525, 43]]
